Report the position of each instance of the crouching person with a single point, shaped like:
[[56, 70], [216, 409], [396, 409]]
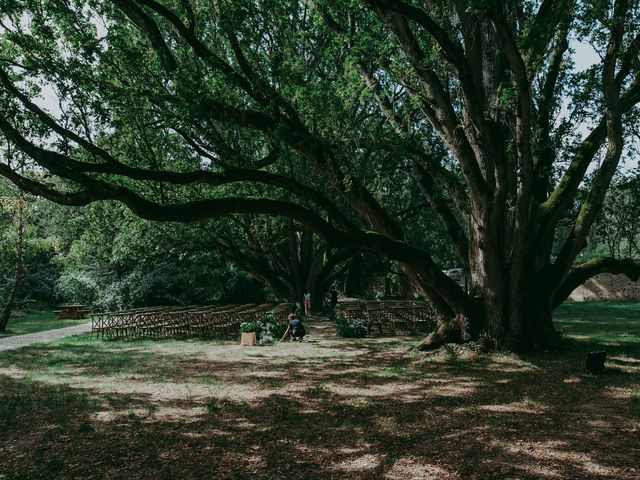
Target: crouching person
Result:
[[295, 329]]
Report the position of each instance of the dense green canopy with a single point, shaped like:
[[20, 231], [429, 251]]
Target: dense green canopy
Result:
[[368, 121]]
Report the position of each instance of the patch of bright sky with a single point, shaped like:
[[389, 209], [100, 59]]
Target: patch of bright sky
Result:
[[584, 57]]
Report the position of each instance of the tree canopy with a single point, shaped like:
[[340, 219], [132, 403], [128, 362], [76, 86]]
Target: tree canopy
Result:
[[367, 121]]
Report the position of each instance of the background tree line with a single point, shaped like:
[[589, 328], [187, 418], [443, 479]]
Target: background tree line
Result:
[[106, 257]]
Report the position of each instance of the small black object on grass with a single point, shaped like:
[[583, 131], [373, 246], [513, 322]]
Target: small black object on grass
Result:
[[594, 363]]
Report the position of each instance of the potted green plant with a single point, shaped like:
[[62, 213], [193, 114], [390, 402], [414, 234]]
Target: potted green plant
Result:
[[249, 333]]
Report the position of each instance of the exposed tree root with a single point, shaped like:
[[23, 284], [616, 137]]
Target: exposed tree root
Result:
[[448, 330]]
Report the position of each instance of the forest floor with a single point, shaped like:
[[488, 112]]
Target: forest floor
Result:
[[23, 323], [328, 408]]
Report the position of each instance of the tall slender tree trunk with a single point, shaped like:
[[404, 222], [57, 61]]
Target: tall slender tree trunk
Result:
[[19, 268], [353, 277]]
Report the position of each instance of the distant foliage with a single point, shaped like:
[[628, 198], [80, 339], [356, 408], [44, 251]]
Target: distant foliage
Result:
[[354, 329], [78, 287], [119, 261], [38, 273]]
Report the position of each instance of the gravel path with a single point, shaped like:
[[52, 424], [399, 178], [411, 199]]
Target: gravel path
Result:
[[19, 341]]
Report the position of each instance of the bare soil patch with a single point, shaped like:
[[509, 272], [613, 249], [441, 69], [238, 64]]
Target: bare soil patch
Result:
[[607, 287]]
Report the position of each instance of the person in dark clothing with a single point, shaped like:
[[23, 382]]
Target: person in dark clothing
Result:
[[333, 298], [295, 329]]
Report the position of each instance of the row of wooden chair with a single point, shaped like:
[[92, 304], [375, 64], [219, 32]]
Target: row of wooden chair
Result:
[[174, 322], [391, 317]]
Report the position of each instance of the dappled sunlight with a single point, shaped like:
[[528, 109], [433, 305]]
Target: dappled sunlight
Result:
[[332, 409], [512, 363], [558, 451], [618, 393], [523, 406], [454, 390], [410, 467], [164, 391], [399, 390], [495, 363], [388, 425], [572, 379], [167, 413], [624, 364], [626, 359], [113, 415], [360, 464], [265, 374], [157, 413]]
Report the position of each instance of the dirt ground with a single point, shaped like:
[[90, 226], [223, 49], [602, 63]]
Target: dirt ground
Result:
[[329, 408], [607, 287]]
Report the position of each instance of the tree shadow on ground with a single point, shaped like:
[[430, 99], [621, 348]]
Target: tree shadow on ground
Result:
[[333, 409]]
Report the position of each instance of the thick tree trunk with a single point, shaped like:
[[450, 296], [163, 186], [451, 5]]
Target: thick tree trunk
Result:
[[532, 329], [8, 306], [446, 330], [509, 313]]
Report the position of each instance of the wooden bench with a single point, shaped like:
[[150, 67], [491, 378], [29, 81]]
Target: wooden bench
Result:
[[71, 312]]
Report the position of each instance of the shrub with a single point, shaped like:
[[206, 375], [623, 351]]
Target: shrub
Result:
[[298, 311], [268, 329], [248, 327], [78, 287], [275, 327], [355, 329]]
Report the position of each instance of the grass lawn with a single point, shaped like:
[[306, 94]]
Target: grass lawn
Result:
[[330, 408], [604, 323], [36, 322]]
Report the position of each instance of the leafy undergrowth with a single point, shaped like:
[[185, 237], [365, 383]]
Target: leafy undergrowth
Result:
[[20, 324], [329, 408]]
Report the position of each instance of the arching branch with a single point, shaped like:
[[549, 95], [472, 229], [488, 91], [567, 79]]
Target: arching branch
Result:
[[615, 143], [584, 271], [550, 14], [72, 169], [439, 111], [151, 31]]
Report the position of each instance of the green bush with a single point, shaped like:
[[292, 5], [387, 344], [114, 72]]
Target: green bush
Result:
[[248, 327], [298, 311], [355, 329], [268, 329], [272, 327]]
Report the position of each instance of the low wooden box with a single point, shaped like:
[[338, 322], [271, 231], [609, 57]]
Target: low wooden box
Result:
[[248, 338]]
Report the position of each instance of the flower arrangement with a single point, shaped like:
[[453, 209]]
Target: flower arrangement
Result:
[[355, 329], [268, 329], [247, 327]]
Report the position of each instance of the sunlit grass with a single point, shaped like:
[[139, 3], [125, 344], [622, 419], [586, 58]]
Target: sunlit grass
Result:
[[604, 323]]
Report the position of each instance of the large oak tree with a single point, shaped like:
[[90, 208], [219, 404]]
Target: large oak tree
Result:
[[334, 113]]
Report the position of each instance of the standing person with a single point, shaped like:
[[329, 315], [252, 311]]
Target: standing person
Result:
[[333, 298], [307, 303]]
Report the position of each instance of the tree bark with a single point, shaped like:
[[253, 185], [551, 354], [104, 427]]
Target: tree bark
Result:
[[19, 267]]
